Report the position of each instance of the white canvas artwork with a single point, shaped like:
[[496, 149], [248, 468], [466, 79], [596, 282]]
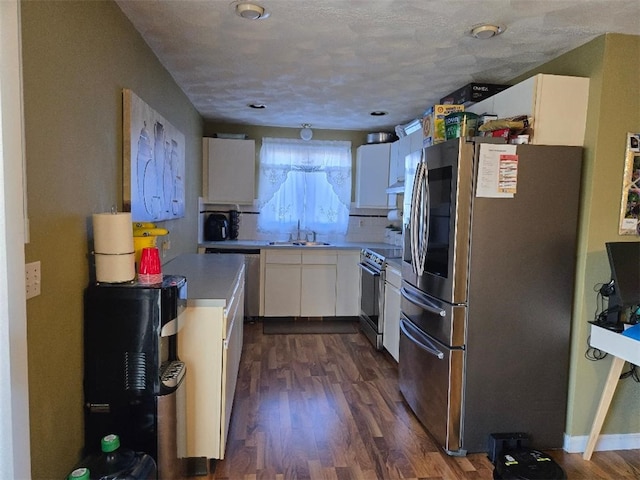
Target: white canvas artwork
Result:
[[154, 163]]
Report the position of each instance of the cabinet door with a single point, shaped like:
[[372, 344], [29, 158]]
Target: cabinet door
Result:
[[416, 141], [395, 174], [549, 100], [348, 284], [372, 176], [282, 290], [230, 170], [200, 344], [318, 296], [231, 353], [391, 328]]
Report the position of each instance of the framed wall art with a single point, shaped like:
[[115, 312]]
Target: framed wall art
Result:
[[630, 204], [153, 163]]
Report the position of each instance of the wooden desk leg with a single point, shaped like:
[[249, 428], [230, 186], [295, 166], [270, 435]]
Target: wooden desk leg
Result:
[[603, 406]]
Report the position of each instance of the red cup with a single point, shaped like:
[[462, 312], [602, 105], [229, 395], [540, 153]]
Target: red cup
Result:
[[150, 269]]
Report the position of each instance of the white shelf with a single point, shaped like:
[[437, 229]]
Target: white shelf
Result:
[[615, 344]]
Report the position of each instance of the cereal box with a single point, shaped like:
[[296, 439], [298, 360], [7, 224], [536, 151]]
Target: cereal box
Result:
[[433, 123]]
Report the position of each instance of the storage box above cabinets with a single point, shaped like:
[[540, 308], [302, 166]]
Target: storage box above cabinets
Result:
[[556, 104], [372, 176], [229, 171]]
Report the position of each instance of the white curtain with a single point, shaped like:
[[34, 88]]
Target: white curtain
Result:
[[305, 181]]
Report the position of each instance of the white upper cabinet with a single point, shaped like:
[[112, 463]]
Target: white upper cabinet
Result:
[[372, 175], [556, 103], [229, 170]]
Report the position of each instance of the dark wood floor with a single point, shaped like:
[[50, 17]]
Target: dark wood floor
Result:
[[327, 406]]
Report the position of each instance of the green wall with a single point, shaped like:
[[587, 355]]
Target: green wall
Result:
[[612, 62], [77, 57]]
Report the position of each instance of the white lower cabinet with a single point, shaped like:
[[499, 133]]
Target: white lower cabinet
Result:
[[306, 283], [282, 289], [210, 344], [318, 296], [391, 329]]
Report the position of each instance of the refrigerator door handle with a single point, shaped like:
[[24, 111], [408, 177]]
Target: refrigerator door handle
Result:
[[424, 219], [424, 305], [422, 343], [414, 218]]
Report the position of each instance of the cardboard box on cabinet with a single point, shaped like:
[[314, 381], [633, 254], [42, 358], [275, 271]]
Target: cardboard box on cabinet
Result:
[[472, 93]]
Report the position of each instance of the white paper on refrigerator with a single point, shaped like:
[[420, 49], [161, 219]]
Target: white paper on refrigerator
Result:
[[489, 171]]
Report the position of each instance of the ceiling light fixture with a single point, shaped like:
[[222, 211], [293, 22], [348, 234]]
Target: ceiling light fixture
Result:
[[306, 133], [378, 113], [484, 31], [250, 11], [257, 106]]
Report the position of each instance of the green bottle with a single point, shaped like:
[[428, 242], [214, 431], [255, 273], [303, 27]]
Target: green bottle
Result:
[[79, 474]]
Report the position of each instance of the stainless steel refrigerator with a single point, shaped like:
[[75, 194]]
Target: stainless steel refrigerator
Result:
[[488, 279]]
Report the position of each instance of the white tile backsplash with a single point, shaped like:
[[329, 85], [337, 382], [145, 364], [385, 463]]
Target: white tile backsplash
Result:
[[365, 225]]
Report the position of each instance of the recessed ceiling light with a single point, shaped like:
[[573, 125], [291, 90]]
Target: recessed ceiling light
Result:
[[257, 105], [378, 113], [249, 10], [484, 31]]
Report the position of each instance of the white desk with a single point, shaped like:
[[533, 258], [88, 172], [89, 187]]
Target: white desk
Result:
[[623, 349]]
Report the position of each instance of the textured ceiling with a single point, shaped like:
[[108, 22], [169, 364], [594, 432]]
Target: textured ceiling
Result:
[[329, 63]]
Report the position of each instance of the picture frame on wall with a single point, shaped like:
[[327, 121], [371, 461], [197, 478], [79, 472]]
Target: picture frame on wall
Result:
[[153, 163], [630, 204]]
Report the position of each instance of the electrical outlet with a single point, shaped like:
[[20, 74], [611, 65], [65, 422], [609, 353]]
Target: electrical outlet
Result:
[[165, 246], [32, 279]]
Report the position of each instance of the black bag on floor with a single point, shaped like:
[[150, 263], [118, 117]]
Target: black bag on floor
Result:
[[526, 464]]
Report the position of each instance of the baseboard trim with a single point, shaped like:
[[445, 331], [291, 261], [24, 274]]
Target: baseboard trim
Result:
[[578, 443]]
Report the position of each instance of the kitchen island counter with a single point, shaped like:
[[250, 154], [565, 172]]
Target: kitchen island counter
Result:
[[210, 344], [210, 278]]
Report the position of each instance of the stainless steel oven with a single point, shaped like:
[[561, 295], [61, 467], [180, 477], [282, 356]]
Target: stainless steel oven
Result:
[[372, 296], [372, 265]]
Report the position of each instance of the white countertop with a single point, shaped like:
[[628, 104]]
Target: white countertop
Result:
[[263, 244], [210, 278]]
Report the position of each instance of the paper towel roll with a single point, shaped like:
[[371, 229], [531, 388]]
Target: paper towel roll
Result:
[[394, 215], [112, 233], [115, 268]]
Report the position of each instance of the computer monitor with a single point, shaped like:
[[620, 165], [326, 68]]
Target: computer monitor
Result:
[[624, 260]]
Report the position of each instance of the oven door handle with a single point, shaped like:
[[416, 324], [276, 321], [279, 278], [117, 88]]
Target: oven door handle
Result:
[[369, 270], [425, 306], [405, 326]]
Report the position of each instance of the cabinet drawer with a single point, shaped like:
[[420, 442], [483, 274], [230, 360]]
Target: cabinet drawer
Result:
[[279, 256], [319, 258]]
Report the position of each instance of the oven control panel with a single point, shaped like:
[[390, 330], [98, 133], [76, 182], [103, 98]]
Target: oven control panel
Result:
[[372, 258]]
